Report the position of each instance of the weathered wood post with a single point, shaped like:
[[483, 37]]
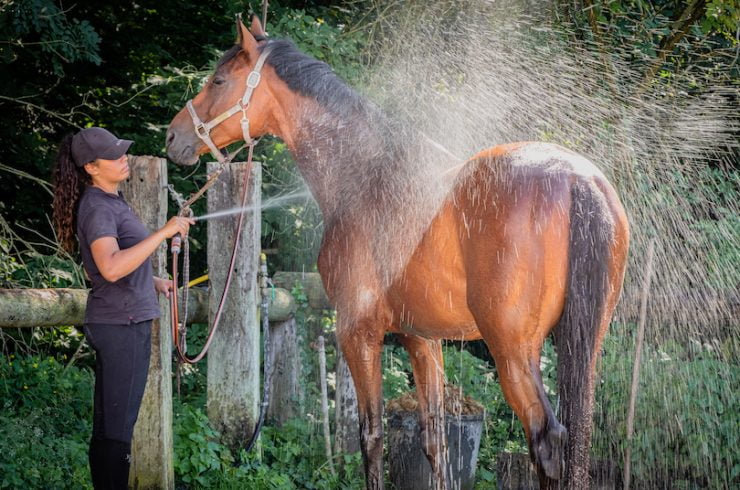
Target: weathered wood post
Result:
[[152, 465], [347, 419], [285, 359], [347, 434], [234, 356]]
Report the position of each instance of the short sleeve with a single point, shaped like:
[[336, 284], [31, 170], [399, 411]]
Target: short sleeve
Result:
[[100, 221]]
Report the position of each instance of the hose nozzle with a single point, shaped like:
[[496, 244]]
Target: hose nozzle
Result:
[[175, 244]]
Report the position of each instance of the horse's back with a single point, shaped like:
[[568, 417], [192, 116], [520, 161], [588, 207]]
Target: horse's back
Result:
[[517, 203], [536, 159]]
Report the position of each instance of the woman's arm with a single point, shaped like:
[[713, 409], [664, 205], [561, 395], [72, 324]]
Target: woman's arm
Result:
[[114, 263]]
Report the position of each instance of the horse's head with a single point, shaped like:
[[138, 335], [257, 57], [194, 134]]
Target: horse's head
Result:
[[233, 94]]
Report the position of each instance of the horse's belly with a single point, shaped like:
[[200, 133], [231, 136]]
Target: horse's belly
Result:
[[434, 315], [430, 297]]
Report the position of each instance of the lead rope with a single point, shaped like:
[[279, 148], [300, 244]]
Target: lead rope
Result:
[[179, 328], [264, 283]]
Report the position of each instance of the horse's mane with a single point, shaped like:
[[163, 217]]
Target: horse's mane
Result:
[[307, 76]]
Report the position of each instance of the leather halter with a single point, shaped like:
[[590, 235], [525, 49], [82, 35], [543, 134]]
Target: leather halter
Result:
[[203, 129]]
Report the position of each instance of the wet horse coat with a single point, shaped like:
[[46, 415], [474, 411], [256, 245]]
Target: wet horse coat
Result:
[[517, 241]]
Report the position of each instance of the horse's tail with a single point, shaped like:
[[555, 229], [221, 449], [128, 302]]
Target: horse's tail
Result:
[[577, 334]]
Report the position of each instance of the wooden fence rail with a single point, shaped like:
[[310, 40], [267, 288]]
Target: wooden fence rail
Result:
[[26, 308]]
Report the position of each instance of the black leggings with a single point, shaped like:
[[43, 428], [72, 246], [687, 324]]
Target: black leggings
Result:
[[121, 366]]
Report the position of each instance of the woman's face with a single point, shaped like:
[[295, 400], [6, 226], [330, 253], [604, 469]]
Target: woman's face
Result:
[[109, 171]]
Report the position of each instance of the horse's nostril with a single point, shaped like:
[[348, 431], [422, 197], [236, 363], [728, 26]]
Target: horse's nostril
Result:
[[170, 137]]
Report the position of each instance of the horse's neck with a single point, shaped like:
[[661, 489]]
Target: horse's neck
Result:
[[339, 156], [367, 171]]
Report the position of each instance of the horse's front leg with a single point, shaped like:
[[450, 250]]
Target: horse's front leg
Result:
[[361, 342], [428, 367]]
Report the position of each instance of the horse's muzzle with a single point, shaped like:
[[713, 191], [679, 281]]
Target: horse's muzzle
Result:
[[180, 149]]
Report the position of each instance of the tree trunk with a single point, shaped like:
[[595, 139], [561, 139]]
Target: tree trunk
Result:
[[694, 11]]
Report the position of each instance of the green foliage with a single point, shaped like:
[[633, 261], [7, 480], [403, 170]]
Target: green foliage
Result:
[[199, 456], [42, 30], [293, 457], [45, 271], [638, 28], [9, 265], [686, 427], [723, 17], [396, 372], [35, 455], [294, 229], [721, 227], [44, 423], [289, 457], [315, 34], [22, 263]]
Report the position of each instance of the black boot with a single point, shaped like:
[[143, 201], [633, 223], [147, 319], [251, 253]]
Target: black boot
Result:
[[110, 461]]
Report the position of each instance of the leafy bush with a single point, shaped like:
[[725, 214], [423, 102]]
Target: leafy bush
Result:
[[45, 424], [686, 426], [199, 456], [293, 457], [287, 457]]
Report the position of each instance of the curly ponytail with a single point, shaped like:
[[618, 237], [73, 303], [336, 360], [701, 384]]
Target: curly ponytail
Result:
[[69, 182]]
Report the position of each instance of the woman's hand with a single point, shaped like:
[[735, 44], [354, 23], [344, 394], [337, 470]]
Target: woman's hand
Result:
[[163, 286], [177, 224]]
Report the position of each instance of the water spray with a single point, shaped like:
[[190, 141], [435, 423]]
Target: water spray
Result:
[[271, 203]]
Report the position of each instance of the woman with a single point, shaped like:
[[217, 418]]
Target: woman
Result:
[[115, 248]]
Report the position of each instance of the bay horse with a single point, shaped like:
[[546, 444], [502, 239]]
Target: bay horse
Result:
[[519, 241]]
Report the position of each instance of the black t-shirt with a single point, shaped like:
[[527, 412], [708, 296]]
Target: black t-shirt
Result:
[[132, 298]]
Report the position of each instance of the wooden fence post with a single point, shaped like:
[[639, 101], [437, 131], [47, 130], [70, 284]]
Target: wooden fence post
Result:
[[234, 356], [347, 420], [285, 359], [152, 465]]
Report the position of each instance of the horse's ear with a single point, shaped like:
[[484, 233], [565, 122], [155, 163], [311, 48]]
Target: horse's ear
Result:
[[257, 29], [247, 41]]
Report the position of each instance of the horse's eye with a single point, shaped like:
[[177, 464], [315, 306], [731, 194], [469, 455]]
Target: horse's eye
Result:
[[218, 81]]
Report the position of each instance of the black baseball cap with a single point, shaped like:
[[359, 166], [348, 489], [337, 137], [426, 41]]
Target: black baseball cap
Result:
[[92, 143]]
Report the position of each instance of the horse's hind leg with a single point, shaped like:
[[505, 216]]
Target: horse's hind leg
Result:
[[427, 364], [517, 363], [362, 345]]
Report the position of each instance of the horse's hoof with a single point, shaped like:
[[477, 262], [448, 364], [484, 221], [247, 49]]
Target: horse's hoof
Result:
[[549, 450]]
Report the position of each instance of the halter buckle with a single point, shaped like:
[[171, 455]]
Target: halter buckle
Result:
[[254, 79], [201, 130]]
